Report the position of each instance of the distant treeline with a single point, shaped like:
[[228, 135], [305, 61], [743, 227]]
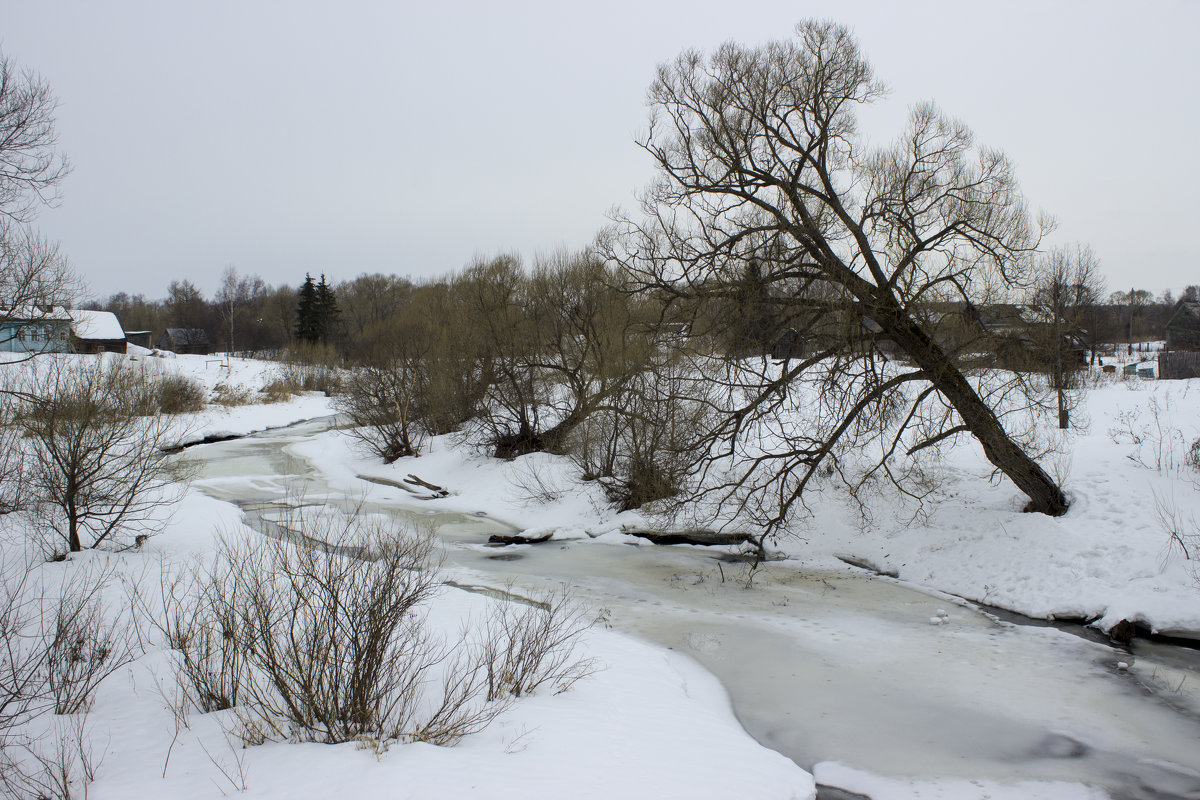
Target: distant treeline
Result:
[[358, 312]]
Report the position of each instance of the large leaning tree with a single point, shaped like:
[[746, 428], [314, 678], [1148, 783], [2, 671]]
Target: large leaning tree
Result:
[[868, 264]]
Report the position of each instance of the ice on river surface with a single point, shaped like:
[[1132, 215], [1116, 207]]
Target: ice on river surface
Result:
[[828, 666]]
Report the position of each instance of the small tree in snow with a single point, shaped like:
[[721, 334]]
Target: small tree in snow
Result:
[[98, 467]]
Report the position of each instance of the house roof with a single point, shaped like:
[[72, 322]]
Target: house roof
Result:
[[1187, 312], [31, 313], [96, 325], [1000, 316], [188, 335]]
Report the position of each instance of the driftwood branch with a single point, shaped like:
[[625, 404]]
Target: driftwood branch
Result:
[[516, 538], [438, 491], [699, 536]]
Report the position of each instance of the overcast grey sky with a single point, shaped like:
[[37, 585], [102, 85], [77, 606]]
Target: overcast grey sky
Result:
[[402, 137]]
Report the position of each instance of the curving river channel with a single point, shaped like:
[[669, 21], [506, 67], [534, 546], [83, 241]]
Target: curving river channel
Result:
[[827, 666]]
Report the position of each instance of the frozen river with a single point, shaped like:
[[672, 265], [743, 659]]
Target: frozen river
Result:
[[828, 666]]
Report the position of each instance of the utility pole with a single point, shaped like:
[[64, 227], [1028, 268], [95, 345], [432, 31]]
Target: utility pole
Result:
[[1131, 321]]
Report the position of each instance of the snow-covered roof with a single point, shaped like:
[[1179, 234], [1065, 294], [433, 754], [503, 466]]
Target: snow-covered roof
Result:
[[96, 325], [30, 313]]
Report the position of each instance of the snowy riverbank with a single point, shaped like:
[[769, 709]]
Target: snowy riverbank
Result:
[[653, 722]]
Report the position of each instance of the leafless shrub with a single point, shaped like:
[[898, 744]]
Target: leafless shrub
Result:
[[56, 644], [224, 394], [196, 613], [23, 648], [319, 634], [1182, 529], [57, 765], [1157, 443], [177, 394], [339, 648], [536, 644], [278, 389], [232, 771], [55, 648], [325, 643], [312, 368], [1192, 457], [90, 642], [535, 483]]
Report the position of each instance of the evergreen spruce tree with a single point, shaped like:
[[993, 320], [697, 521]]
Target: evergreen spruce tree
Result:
[[327, 310], [307, 312]]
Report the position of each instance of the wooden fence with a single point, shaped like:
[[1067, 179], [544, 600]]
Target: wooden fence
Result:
[[1178, 365]]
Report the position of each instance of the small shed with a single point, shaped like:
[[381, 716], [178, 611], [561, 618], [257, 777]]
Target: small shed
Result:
[[186, 341], [1183, 326], [35, 329], [96, 332], [140, 338], [1179, 365]]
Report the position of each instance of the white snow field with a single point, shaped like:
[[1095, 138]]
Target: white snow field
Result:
[[889, 687]]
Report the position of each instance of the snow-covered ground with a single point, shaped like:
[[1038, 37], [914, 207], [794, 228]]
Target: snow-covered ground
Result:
[[1108, 559], [654, 723]]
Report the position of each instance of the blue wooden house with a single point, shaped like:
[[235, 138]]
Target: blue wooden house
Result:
[[35, 329]]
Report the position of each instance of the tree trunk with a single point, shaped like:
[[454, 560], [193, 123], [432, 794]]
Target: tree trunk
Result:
[[1044, 495], [73, 529], [554, 440]]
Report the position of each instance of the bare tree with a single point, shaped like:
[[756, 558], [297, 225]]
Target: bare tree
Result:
[[185, 306], [640, 447], [514, 411], [1066, 290], [12, 450], [560, 343], [1135, 302], [418, 372], [592, 339], [385, 404], [98, 463], [30, 165], [369, 304], [760, 160], [32, 272], [35, 282]]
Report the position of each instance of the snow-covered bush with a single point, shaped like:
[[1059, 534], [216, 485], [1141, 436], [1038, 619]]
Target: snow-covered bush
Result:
[[320, 635], [176, 394]]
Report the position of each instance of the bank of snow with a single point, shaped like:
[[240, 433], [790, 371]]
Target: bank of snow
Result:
[[246, 374], [1108, 559]]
